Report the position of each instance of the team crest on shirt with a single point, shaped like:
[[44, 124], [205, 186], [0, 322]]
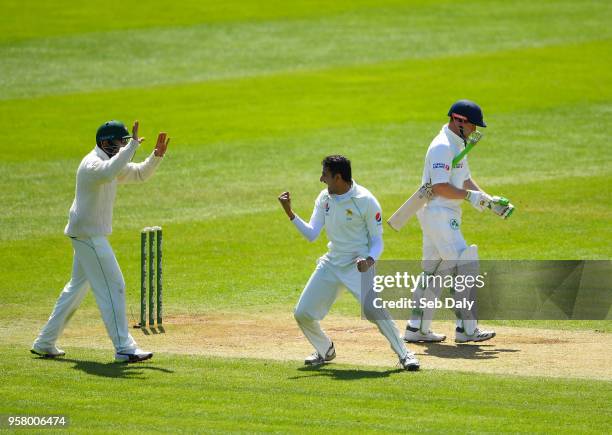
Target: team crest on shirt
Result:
[[349, 214], [454, 224], [378, 217]]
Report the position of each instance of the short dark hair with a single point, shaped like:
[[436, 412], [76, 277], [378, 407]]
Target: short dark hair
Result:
[[338, 165]]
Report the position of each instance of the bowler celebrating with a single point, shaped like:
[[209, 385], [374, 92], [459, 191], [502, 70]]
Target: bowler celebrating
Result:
[[89, 223], [353, 221]]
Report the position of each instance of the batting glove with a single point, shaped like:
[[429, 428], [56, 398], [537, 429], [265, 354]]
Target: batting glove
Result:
[[501, 206], [478, 199]]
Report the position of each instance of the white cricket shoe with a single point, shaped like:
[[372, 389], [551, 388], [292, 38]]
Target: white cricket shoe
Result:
[[414, 335], [409, 362], [316, 359], [47, 352], [479, 335], [136, 355]]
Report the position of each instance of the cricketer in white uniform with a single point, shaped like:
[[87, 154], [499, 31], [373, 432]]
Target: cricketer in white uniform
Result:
[[89, 224], [445, 251], [352, 218]]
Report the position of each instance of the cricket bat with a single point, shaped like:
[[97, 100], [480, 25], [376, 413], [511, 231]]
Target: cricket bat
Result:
[[410, 207], [424, 193]]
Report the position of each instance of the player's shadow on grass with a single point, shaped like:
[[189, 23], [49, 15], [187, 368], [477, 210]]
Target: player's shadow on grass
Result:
[[339, 374], [463, 351], [110, 369]]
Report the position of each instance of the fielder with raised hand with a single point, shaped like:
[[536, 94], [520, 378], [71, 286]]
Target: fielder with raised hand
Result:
[[352, 218], [89, 224], [444, 248]]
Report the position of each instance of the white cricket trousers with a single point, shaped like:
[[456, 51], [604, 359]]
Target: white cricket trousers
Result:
[[442, 238], [442, 241], [94, 263], [321, 291]]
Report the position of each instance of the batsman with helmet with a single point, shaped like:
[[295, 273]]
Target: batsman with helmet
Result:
[[445, 251], [89, 224]]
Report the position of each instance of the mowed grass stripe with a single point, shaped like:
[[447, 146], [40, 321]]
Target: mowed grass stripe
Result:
[[258, 107], [345, 398], [150, 57], [396, 148], [235, 179], [39, 18]]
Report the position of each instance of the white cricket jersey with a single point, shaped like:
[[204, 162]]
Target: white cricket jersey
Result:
[[351, 220], [438, 166], [91, 213]]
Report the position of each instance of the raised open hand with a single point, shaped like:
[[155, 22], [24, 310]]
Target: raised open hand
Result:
[[162, 144], [135, 133]]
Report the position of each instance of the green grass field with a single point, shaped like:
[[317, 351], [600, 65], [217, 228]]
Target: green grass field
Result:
[[254, 95], [263, 396]]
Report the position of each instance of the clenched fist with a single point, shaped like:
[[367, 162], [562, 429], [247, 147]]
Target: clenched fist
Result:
[[285, 200], [363, 264]]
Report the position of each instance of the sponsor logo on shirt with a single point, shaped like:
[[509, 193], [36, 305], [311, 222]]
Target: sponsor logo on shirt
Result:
[[378, 217], [327, 208], [441, 166], [454, 224], [349, 214], [458, 165]]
